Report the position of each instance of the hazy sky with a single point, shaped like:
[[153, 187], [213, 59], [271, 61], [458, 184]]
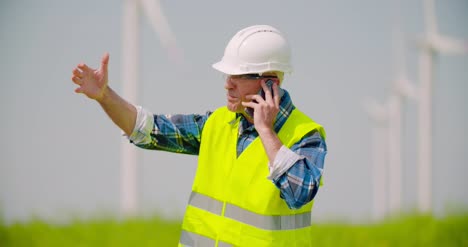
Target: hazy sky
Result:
[[60, 152]]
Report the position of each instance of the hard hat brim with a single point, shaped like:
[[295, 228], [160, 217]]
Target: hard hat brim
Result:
[[226, 69], [229, 69]]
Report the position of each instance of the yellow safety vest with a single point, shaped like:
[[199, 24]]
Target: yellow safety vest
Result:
[[232, 201]]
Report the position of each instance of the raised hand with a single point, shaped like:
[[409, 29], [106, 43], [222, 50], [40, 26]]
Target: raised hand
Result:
[[91, 82], [265, 109]]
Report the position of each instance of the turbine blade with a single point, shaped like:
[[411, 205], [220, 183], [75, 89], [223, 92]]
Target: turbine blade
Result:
[[377, 112], [405, 88], [399, 46], [399, 53], [449, 45], [158, 21], [430, 16]]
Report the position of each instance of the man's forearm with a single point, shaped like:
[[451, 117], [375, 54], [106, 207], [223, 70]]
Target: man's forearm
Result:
[[122, 113]]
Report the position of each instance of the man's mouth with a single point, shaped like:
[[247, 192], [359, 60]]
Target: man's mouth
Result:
[[231, 98]]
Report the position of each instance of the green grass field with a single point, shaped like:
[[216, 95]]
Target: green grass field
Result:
[[409, 230]]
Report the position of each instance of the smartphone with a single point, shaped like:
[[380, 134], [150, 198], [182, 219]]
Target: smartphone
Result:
[[269, 83]]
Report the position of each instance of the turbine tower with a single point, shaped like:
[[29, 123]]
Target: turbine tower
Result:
[[401, 89], [386, 134], [430, 44], [378, 113], [130, 58]]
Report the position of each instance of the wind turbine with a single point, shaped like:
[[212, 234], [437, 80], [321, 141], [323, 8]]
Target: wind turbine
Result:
[[130, 50], [379, 115], [430, 44], [401, 89], [387, 117]]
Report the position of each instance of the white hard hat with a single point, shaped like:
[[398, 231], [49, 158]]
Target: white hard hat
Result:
[[256, 49]]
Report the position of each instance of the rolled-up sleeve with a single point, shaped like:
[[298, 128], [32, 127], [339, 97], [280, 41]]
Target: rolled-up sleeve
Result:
[[178, 133], [143, 127], [297, 171]]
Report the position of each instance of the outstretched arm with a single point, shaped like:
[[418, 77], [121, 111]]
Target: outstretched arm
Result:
[[94, 84]]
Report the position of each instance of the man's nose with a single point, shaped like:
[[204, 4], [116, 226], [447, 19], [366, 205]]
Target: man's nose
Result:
[[229, 84]]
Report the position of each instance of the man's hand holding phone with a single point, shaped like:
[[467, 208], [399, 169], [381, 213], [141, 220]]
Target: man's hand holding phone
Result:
[[264, 106]]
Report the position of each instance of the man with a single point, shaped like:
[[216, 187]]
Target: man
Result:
[[260, 158]]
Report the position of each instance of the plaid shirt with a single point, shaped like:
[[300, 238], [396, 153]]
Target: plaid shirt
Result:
[[298, 184]]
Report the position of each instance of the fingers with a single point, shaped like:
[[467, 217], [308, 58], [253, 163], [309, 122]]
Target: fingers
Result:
[[104, 62], [272, 95], [82, 71], [267, 91], [77, 80], [83, 67], [255, 98], [276, 97], [249, 104], [78, 73], [79, 90]]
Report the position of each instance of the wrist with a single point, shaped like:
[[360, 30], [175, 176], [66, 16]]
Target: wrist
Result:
[[105, 95], [264, 131]]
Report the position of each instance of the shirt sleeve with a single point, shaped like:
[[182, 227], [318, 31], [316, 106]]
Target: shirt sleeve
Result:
[[178, 133], [143, 126], [297, 171]]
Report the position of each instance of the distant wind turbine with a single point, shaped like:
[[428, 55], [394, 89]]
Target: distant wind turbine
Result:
[[401, 89], [430, 44], [130, 65], [378, 113], [387, 131]]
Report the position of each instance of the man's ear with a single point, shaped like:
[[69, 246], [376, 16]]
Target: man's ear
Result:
[[280, 76]]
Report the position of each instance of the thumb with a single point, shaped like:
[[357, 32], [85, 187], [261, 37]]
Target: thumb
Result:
[[104, 62]]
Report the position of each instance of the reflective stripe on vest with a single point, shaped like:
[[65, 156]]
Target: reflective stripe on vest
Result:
[[190, 239], [266, 222]]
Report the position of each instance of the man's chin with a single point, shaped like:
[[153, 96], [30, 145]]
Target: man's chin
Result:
[[234, 108]]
